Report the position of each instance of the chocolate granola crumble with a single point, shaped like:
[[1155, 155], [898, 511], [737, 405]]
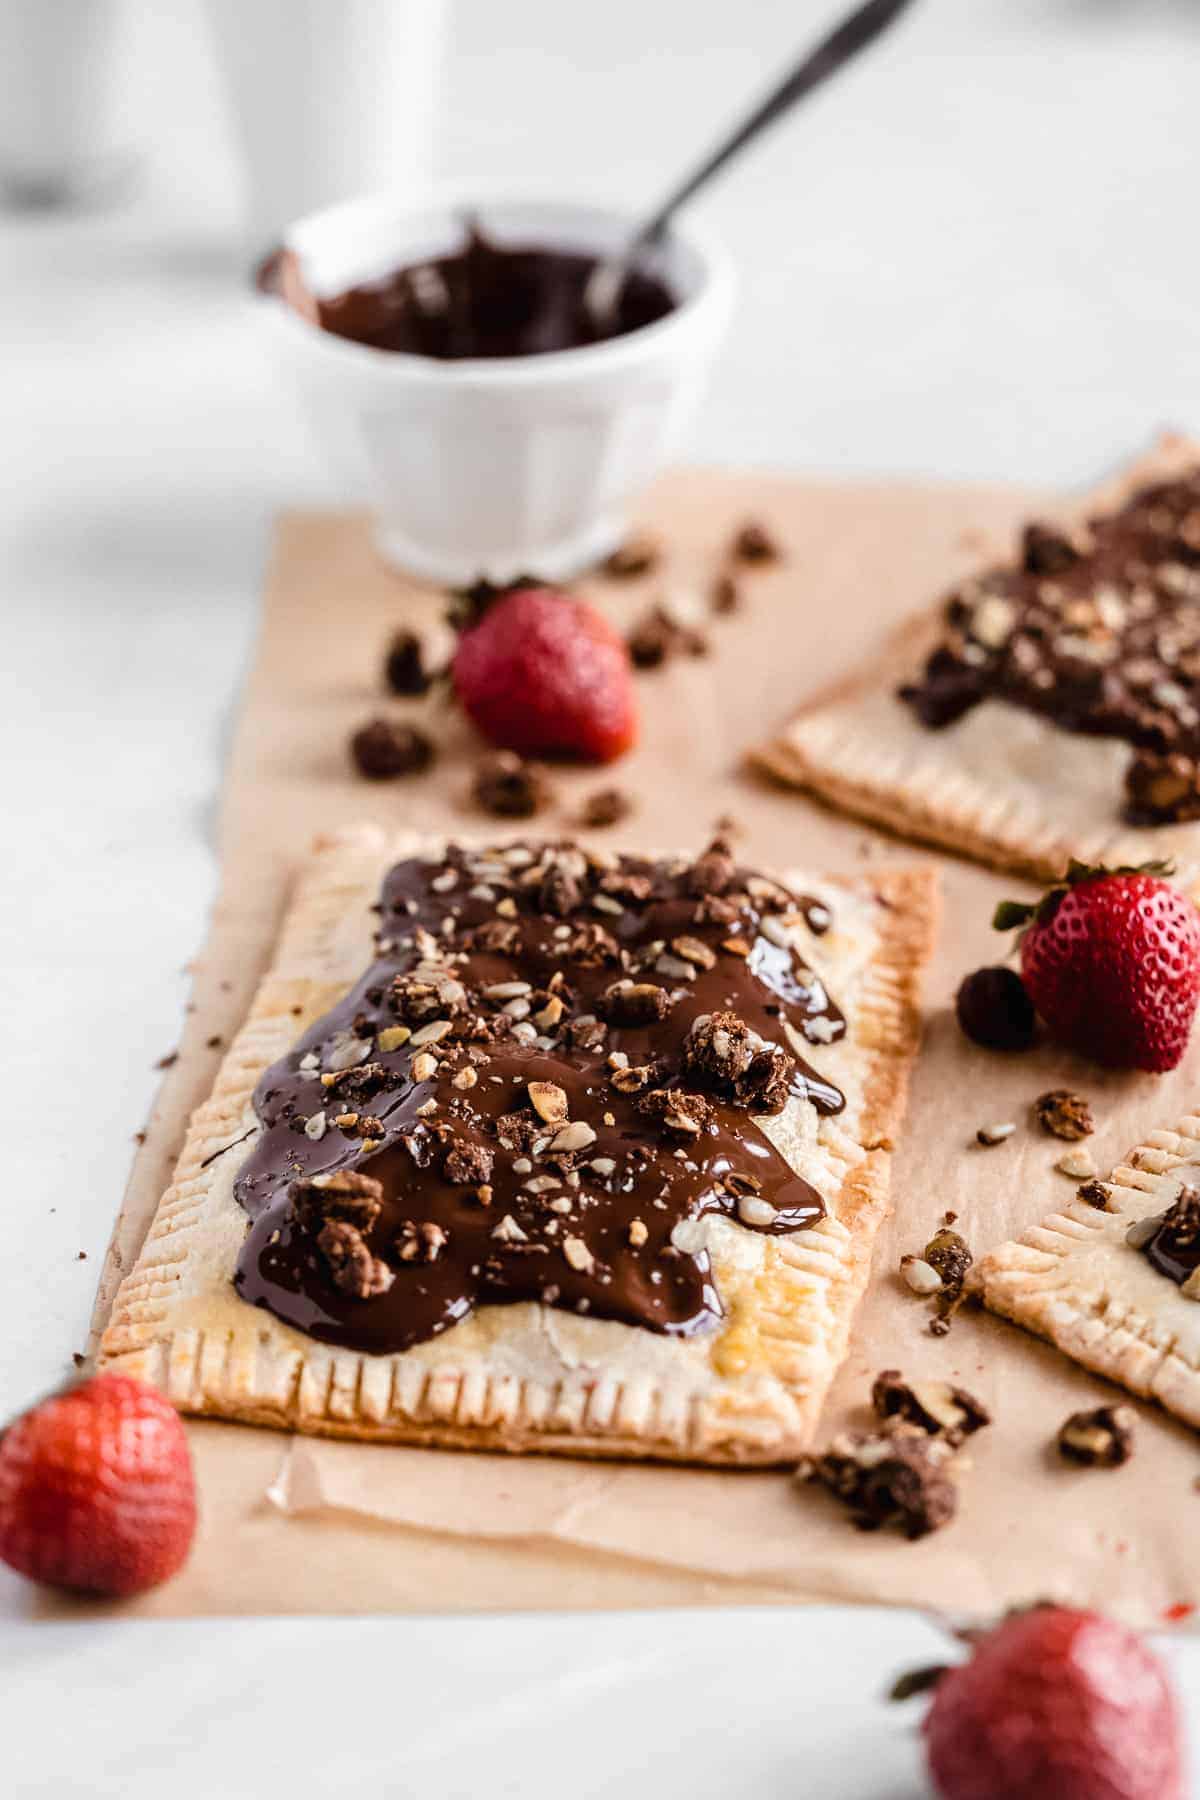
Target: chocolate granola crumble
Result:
[[382, 750], [554, 1067], [1098, 631]]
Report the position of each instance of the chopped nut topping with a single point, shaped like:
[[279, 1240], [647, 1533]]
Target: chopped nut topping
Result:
[[990, 1135], [921, 1276], [1094, 1193], [576, 1136], [423, 1066], [637, 1232], [391, 1038], [1078, 1164], [692, 950], [578, 1255], [509, 1232], [1102, 1438], [1064, 1114], [421, 1243], [635, 1003], [548, 1100]]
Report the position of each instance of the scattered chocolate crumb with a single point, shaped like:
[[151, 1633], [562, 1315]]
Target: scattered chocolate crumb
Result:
[[214, 1042], [1162, 787], [139, 1137], [635, 1003], [638, 555], [168, 1061], [1094, 1193], [917, 1681], [753, 543], [509, 787], [658, 634], [352, 1268], [607, 806], [468, 1164], [404, 667], [936, 1407], [1064, 1115], [78, 1358], [899, 1476], [726, 596], [1046, 550], [82, 1256], [1100, 1439], [346, 1196], [994, 1010], [948, 1253], [421, 1243], [382, 750]]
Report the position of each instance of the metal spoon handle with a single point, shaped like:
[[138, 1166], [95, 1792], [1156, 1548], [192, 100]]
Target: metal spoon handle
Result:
[[842, 44]]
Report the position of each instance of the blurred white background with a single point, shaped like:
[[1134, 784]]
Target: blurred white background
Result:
[[975, 256]]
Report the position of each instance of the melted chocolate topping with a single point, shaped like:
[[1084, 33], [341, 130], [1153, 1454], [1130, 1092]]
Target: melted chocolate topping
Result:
[[483, 300], [553, 1064], [1099, 632], [1173, 1243]]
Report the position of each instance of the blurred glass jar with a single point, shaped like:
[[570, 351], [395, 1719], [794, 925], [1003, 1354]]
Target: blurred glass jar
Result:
[[328, 98], [59, 131]]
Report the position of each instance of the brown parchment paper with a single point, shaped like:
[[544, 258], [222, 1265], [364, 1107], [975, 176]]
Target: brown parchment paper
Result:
[[303, 1525]]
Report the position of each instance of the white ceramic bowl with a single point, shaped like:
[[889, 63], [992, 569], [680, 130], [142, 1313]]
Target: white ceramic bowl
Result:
[[496, 466]]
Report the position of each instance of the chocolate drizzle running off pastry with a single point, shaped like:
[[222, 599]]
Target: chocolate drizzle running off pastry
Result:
[[1170, 1241], [1098, 631], [554, 1067]]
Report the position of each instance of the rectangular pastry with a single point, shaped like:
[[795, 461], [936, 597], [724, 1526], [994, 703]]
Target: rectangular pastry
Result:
[[1050, 708], [590, 1159], [1113, 1278]]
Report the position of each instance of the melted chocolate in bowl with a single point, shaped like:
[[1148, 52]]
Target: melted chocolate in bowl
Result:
[[497, 970], [485, 300]]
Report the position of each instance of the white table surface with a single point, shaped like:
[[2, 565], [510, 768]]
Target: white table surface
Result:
[[980, 261]]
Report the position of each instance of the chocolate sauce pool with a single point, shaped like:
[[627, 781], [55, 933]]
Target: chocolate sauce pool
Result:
[[485, 300], [502, 965]]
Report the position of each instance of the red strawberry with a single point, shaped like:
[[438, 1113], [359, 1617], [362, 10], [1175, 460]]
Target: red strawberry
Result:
[[1111, 960], [544, 674], [1056, 1705], [96, 1489]]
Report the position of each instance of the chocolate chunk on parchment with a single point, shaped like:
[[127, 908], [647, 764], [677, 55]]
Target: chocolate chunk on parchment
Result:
[[509, 787], [1064, 1115], [382, 750], [900, 1476], [1099, 1439]]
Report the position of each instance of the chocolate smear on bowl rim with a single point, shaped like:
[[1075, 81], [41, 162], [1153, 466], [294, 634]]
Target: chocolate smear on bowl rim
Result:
[[563, 1065]]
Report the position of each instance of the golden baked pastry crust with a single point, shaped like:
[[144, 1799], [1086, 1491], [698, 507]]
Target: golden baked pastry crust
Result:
[[526, 1376], [1074, 1280]]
